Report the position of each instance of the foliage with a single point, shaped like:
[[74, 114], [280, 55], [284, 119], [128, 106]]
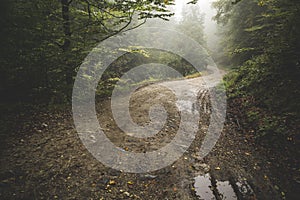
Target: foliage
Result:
[[262, 39], [44, 42], [134, 59]]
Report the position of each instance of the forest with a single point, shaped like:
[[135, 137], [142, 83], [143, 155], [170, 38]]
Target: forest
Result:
[[256, 56]]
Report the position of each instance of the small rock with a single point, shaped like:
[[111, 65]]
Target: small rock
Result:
[[127, 193], [150, 176], [201, 167]]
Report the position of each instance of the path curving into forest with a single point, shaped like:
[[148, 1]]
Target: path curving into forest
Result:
[[47, 160]]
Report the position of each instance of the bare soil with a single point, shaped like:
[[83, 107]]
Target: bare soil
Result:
[[42, 157]]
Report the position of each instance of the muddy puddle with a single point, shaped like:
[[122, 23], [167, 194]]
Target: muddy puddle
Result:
[[203, 187], [225, 190], [207, 188]]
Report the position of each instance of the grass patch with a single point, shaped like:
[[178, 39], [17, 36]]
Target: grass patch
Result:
[[195, 75]]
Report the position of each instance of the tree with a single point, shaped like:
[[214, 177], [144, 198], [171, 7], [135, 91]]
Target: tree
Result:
[[262, 41], [192, 23], [45, 41]]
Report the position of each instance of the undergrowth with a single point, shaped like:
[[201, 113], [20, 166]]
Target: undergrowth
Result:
[[268, 101]]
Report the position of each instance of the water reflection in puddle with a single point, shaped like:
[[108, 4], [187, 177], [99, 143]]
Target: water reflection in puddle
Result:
[[226, 190], [204, 188]]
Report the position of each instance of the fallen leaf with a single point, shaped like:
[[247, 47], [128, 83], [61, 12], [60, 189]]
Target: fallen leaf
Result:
[[130, 182], [112, 182]]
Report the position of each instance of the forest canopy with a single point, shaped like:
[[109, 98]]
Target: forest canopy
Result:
[[44, 42]]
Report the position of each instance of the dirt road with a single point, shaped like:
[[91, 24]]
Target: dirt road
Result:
[[45, 159]]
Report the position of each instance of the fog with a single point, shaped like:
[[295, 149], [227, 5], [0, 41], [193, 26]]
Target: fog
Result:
[[209, 24]]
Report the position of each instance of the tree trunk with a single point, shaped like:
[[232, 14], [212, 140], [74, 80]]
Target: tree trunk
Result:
[[67, 40]]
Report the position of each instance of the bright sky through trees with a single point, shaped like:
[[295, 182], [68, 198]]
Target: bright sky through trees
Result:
[[209, 24]]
